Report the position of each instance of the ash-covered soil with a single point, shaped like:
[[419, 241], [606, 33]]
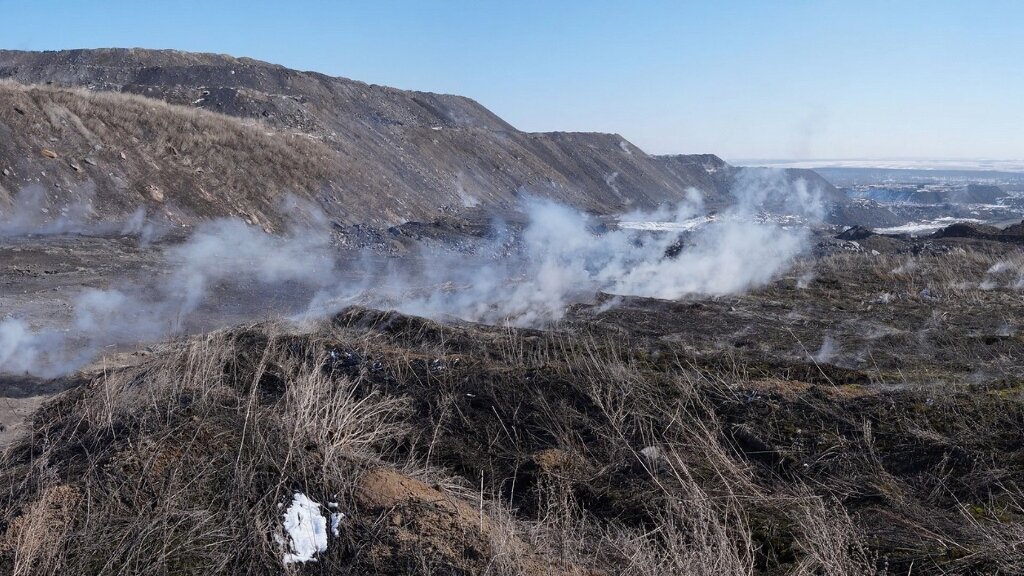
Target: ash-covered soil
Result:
[[860, 413]]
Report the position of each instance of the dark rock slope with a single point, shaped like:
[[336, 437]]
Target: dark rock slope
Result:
[[376, 154]]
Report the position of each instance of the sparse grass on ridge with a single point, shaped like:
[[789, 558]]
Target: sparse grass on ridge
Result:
[[187, 159]]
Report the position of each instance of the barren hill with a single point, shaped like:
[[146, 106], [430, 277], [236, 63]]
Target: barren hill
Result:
[[365, 153]]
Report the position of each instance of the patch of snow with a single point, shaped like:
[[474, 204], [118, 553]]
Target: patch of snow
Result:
[[784, 221], [683, 226], [336, 518], [625, 147], [916, 228], [306, 528], [827, 350], [1004, 165]]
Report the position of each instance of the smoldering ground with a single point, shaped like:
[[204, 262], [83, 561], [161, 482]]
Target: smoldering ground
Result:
[[522, 277], [31, 215]]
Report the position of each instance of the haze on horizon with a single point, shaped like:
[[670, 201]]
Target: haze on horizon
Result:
[[742, 79]]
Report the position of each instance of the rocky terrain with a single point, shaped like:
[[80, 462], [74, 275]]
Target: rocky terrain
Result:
[[931, 194], [363, 153]]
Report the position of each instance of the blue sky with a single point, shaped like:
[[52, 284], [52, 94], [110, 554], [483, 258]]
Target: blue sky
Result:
[[755, 79]]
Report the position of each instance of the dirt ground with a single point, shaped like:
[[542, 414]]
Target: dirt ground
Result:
[[861, 413], [883, 311]]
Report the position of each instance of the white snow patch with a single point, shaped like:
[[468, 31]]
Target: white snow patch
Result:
[[336, 518], [625, 147], [982, 164], [914, 228], [683, 226], [306, 528], [784, 221]]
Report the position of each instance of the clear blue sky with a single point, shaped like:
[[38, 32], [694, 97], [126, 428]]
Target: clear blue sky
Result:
[[755, 79]]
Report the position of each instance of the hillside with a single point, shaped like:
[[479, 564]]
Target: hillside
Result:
[[111, 153], [374, 154]]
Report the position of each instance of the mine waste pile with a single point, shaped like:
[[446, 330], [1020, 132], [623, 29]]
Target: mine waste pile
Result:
[[260, 321]]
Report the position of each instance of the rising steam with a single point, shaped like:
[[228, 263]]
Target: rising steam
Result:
[[30, 214], [525, 278]]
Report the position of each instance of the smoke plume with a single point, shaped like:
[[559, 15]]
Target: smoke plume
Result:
[[523, 277], [32, 214]]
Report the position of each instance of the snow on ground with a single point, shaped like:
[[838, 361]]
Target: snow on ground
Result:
[[684, 226], [980, 164], [336, 518], [306, 528], [927, 226], [783, 220]]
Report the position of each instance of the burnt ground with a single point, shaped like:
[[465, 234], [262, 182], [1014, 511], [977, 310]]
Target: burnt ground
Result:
[[868, 402]]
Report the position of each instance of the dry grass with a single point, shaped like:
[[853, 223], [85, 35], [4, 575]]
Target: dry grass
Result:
[[830, 541], [958, 273], [468, 450], [173, 158], [182, 465]]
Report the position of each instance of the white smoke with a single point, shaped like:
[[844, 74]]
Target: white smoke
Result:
[[563, 260], [462, 182], [33, 213], [1005, 272], [805, 280], [827, 351], [221, 254], [526, 278]]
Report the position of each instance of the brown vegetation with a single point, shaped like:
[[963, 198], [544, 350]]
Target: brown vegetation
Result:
[[400, 155], [470, 450], [128, 151]]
